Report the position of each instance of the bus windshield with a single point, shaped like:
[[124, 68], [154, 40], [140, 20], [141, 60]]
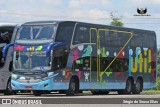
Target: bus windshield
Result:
[[31, 61], [36, 33]]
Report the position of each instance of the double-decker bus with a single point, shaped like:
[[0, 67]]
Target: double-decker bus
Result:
[[70, 57], [7, 36]]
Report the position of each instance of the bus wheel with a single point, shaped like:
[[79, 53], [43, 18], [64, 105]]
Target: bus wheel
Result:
[[95, 92], [100, 92], [72, 88], [121, 92], [137, 87], [37, 93], [128, 89], [103, 92], [9, 90], [62, 92], [129, 85]]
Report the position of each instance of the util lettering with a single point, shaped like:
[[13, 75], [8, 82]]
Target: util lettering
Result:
[[140, 62]]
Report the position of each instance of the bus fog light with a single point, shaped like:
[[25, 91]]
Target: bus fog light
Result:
[[14, 76], [22, 78]]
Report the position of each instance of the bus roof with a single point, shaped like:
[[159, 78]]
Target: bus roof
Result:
[[98, 25], [8, 24]]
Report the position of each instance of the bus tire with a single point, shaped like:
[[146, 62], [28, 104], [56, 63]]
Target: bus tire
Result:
[[138, 86], [100, 92], [95, 92], [9, 90], [120, 92], [72, 87], [62, 92], [37, 93], [129, 86], [103, 92]]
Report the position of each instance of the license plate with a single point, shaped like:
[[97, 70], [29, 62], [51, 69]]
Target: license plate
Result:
[[28, 87]]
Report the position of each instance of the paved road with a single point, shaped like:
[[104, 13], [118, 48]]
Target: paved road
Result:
[[113, 98], [85, 95]]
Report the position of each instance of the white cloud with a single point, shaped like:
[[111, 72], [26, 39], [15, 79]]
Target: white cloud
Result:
[[157, 15], [91, 14], [40, 9], [53, 2], [85, 4], [2, 1], [106, 3], [89, 9], [75, 4], [2, 11], [155, 1], [32, 8], [98, 13], [127, 15], [142, 2]]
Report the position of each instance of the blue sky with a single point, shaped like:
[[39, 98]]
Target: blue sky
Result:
[[93, 11]]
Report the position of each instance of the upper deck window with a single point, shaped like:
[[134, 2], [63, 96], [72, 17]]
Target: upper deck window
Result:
[[36, 32]]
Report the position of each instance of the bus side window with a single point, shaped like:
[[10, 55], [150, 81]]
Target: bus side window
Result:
[[93, 34], [145, 41], [150, 41], [136, 40], [60, 54], [82, 35], [64, 33], [123, 38], [102, 38], [59, 58]]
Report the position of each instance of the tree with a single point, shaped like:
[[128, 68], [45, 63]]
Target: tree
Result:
[[158, 56], [116, 21]]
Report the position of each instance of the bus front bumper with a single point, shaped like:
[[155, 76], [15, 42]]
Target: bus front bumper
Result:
[[42, 85]]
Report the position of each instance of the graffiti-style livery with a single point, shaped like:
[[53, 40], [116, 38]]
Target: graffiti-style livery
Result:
[[70, 57]]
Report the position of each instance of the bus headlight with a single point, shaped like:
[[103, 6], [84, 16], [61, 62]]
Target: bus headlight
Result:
[[14, 76], [22, 78]]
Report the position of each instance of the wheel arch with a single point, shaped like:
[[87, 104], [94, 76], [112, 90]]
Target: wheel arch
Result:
[[131, 78], [9, 80]]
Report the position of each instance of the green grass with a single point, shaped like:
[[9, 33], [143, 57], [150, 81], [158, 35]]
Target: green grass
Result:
[[158, 83], [150, 92]]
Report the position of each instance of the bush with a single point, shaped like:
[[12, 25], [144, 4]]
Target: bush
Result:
[[158, 83], [159, 70]]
